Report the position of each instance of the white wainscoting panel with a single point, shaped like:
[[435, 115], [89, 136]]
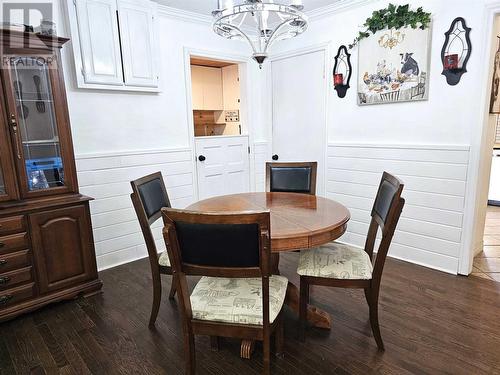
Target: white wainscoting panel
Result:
[[430, 229], [117, 234], [262, 155]]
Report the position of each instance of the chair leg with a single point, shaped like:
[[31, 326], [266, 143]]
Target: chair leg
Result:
[[173, 287], [190, 353], [373, 305], [303, 302], [266, 344], [156, 300], [279, 338], [214, 343]]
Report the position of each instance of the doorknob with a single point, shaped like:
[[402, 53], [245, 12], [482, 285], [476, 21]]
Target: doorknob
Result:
[[275, 157], [201, 158]]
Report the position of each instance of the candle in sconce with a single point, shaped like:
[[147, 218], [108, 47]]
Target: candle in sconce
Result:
[[338, 79], [451, 62]]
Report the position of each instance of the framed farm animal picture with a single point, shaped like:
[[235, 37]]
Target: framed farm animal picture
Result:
[[495, 84], [394, 66]]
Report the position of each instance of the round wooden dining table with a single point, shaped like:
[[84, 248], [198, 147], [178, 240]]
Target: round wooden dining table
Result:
[[298, 222]]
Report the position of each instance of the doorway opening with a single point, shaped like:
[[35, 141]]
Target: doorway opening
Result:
[[487, 254], [220, 131], [216, 97]]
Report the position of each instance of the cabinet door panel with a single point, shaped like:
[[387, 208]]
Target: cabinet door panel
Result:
[[100, 42], [197, 87], [40, 130], [212, 89], [231, 87], [137, 24], [62, 247]]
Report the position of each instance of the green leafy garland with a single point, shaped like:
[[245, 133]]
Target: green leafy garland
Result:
[[393, 17]]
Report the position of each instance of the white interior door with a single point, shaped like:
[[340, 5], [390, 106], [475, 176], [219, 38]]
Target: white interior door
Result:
[[223, 165], [299, 111]]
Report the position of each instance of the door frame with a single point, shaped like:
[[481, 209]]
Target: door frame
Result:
[[243, 62], [320, 47], [478, 176]]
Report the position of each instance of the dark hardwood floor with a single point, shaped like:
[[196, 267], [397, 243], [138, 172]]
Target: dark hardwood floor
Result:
[[432, 323]]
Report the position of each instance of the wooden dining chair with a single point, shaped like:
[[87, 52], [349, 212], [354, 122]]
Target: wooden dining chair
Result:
[[149, 196], [237, 297], [291, 177], [345, 266]]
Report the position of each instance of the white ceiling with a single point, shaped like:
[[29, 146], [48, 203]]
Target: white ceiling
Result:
[[206, 6]]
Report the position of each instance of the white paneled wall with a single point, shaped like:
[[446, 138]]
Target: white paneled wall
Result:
[[117, 234], [430, 228], [261, 154]]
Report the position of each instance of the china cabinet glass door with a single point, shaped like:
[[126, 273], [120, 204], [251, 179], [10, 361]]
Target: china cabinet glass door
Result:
[[36, 135]]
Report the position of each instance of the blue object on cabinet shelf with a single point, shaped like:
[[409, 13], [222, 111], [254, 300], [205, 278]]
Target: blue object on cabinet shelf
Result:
[[44, 173]]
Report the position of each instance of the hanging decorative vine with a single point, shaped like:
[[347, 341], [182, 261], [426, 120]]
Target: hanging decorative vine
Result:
[[393, 17]]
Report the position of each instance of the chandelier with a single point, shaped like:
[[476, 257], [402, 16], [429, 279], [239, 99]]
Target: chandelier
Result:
[[259, 22]]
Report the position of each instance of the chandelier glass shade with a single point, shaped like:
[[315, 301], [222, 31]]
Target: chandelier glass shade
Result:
[[259, 22]]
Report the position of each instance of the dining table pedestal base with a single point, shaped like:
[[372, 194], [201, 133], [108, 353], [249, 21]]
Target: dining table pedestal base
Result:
[[315, 316], [247, 348]]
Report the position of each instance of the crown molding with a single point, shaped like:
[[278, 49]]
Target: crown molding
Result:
[[184, 15], [336, 7]]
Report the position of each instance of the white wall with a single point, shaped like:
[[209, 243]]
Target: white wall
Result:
[[121, 136], [434, 121], [452, 117]]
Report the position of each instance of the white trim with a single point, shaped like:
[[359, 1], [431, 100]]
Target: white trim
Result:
[[243, 63], [129, 153], [336, 7], [183, 15], [301, 51], [479, 149], [405, 146]]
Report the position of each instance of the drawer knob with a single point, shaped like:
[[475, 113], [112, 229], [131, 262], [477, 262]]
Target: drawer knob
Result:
[[5, 299], [3, 262], [4, 280]]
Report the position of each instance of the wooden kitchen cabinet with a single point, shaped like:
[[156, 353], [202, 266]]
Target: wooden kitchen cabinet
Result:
[[207, 88], [46, 245], [231, 87]]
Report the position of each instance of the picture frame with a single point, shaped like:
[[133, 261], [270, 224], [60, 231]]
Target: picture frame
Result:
[[394, 66]]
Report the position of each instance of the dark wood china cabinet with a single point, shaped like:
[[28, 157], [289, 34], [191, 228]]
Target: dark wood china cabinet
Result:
[[46, 244]]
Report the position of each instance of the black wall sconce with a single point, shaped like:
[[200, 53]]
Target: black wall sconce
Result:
[[456, 51], [342, 71]]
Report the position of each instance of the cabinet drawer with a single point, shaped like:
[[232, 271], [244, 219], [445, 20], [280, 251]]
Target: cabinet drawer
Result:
[[14, 278], [10, 225], [14, 261], [12, 296], [13, 242]]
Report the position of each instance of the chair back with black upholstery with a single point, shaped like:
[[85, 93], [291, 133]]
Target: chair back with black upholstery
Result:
[[149, 196], [385, 215], [291, 177]]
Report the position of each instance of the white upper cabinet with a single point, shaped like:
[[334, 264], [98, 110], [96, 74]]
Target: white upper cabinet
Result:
[[100, 43], [115, 44], [231, 87], [137, 31], [207, 88]]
